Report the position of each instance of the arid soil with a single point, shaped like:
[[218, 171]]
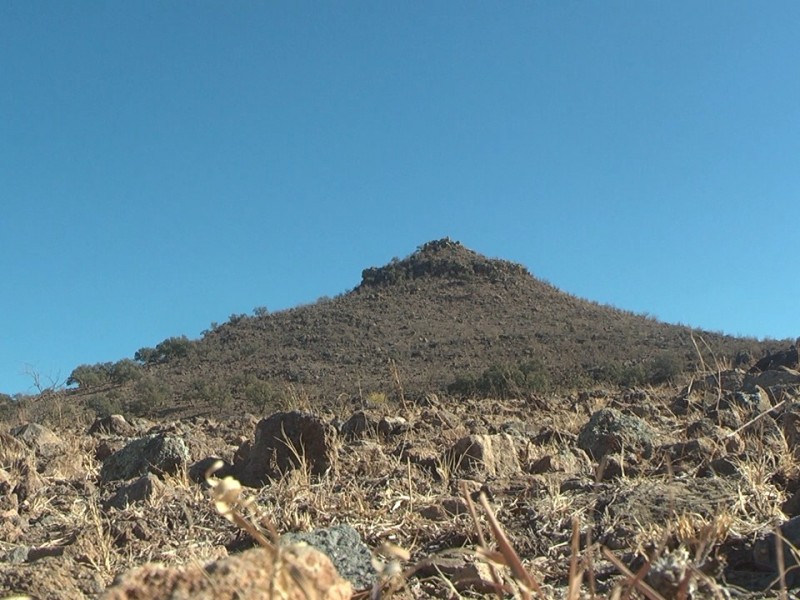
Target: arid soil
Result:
[[681, 484]]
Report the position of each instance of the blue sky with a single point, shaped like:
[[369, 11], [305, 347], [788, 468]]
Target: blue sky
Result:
[[164, 165]]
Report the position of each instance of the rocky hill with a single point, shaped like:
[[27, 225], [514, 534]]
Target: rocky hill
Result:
[[443, 320]]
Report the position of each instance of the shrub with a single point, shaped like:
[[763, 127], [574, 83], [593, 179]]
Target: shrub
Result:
[[146, 355], [104, 405], [149, 394], [89, 376], [124, 371], [170, 348], [503, 381], [264, 396], [665, 367]]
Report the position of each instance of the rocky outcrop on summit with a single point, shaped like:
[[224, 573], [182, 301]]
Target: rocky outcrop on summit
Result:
[[442, 258]]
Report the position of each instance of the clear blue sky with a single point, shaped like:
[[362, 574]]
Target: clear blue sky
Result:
[[166, 164]]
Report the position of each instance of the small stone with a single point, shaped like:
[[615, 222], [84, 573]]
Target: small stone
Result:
[[112, 424], [141, 490], [485, 456], [157, 454], [609, 431]]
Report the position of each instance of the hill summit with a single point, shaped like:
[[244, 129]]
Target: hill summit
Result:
[[443, 258], [444, 320]]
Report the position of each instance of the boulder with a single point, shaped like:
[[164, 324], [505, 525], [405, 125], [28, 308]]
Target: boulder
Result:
[[300, 572], [39, 438], [773, 381], [343, 546], [389, 426], [283, 442], [765, 552], [484, 456], [158, 453], [359, 425], [141, 490], [609, 431], [112, 424], [775, 360]]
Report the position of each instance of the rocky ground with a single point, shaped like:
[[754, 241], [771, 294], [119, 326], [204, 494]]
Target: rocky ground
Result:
[[668, 492]]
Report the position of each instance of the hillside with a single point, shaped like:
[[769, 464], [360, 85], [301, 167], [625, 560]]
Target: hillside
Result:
[[443, 319], [446, 391]]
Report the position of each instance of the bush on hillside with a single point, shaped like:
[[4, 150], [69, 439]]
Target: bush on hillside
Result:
[[107, 373], [171, 348], [504, 381]]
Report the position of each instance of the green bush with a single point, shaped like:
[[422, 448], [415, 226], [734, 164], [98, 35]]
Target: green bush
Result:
[[104, 405], [169, 349], [263, 396], [90, 376], [149, 394], [504, 381], [100, 374]]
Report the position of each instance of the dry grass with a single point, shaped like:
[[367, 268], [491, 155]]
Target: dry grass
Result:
[[536, 536]]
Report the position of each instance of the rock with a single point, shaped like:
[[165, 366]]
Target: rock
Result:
[[693, 451], [765, 551], [113, 424], [48, 579], [772, 381], [784, 358], [197, 471], [299, 573], [728, 381], [463, 571], [754, 402], [609, 431], [157, 454], [445, 509], [343, 546], [389, 426], [359, 425], [141, 490], [39, 438], [484, 456], [282, 441]]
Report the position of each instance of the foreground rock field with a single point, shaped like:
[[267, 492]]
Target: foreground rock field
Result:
[[671, 492]]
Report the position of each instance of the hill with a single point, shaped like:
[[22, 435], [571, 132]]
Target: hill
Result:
[[445, 319]]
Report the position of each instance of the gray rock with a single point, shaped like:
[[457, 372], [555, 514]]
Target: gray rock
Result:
[[342, 544], [17, 555], [485, 456], [141, 490], [282, 442], [772, 381], [609, 431], [157, 454], [389, 426], [765, 551], [113, 424], [39, 438], [359, 425]]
